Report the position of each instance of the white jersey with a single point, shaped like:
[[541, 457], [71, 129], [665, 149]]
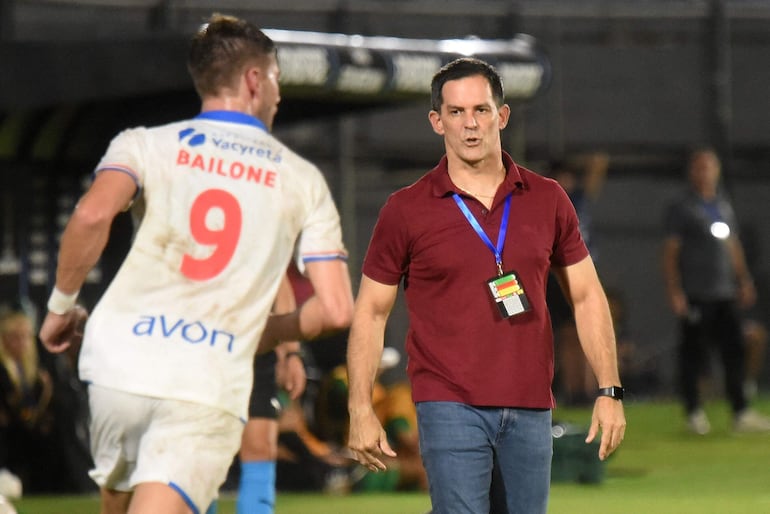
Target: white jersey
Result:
[[223, 205]]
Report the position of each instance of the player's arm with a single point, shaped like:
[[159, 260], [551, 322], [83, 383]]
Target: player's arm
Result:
[[581, 284], [290, 368], [367, 438], [88, 229], [285, 302], [328, 310], [82, 243]]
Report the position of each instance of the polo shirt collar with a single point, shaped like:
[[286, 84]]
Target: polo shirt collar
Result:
[[443, 185]]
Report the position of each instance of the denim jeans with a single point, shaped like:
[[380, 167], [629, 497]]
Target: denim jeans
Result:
[[461, 444]]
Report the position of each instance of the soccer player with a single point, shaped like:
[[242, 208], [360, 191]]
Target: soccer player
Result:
[[222, 207]]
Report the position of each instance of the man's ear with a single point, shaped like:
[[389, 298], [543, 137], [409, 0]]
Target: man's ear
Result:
[[435, 122], [504, 112], [252, 79]]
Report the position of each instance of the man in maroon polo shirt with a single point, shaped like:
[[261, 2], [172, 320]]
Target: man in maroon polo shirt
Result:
[[473, 241]]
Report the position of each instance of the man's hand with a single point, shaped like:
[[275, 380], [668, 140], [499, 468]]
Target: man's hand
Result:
[[60, 331], [609, 417], [291, 375], [747, 293], [678, 301], [368, 441]]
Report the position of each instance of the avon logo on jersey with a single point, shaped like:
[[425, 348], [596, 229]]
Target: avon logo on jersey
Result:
[[181, 330]]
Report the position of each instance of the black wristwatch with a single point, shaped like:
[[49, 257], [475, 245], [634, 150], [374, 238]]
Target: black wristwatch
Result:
[[297, 354], [614, 392]]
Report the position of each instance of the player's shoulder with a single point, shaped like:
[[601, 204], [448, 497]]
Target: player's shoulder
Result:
[[145, 132]]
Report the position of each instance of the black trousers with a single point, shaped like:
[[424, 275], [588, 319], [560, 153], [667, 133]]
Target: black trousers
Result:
[[712, 324]]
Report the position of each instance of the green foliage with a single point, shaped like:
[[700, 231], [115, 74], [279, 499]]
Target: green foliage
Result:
[[660, 468]]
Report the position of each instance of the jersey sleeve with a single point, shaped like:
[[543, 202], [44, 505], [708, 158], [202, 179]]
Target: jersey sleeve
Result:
[[321, 235], [124, 155]]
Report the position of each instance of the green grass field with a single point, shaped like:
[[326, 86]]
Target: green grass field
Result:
[[660, 469]]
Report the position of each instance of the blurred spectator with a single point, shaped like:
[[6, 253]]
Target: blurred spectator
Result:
[[396, 412], [399, 418], [708, 282], [26, 418], [583, 181], [308, 463]]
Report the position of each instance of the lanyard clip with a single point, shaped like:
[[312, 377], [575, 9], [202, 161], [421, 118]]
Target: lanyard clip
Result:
[[499, 268]]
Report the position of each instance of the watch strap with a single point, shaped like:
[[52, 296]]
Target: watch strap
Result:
[[615, 392]]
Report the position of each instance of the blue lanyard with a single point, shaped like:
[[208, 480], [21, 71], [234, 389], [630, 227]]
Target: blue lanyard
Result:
[[497, 250], [712, 209]]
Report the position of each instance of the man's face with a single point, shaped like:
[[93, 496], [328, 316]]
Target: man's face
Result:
[[469, 120], [704, 172]]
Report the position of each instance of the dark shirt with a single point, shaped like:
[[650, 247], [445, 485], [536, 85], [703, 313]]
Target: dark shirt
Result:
[[705, 263]]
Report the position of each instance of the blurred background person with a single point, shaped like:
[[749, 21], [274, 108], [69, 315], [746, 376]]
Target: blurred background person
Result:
[[708, 283], [255, 465], [307, 462], [26, 414], [282, 368], [396, 412]]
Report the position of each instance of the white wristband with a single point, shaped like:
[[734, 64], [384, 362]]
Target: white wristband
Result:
[[59, 302]]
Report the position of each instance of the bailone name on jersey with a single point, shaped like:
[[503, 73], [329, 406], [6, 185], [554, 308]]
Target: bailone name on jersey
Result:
[[236, 170]]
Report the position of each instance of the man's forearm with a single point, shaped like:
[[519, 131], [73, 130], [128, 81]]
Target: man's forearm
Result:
[[738, 256], [310, 321], [363, 356], [597, 337], [82, 244], [670, 267]]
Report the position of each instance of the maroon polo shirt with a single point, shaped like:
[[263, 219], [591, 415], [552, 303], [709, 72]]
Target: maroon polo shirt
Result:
[[460, 348]]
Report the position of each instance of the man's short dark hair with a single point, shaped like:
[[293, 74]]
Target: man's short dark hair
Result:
[[221, 49], [461, 68]]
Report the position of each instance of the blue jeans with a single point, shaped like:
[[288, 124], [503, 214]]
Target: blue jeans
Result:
[[461, 444]]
